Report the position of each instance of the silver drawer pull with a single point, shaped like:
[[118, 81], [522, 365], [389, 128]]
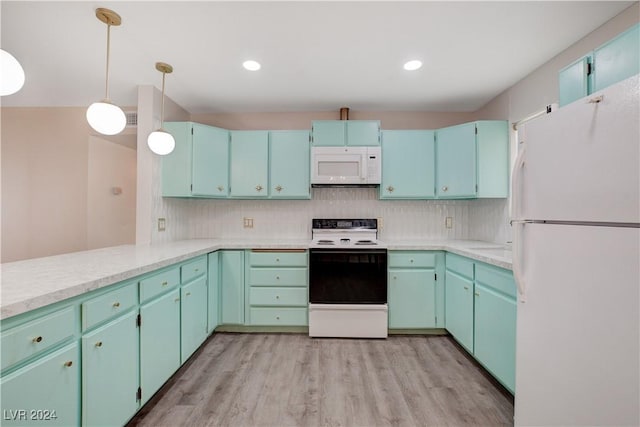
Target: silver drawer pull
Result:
[[116, 304], [68, 364], [99, 344], [38, 339], [277, 296], [165, 283]]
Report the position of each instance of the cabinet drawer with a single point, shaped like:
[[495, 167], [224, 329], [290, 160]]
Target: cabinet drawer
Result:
[[158, 283], [278, 277], [278, 259], [462, 266], [36, 336], [278, 296], [194, 269], [279, 316], [412, 259], [109, 305], [497, 278]]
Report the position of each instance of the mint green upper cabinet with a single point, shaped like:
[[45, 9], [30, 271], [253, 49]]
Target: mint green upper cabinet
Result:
[[199, 164], [495, 322], [210, 161], [617, 59], [110, 372], [193, 326], [289, 165], [329, 133], [456, 161], [232, 287], [50, 384], [346, 132], [363, 133], [159, 342], [575, 81], [493, 158], [250, 164], [408, 164]]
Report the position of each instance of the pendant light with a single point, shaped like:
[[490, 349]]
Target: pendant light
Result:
[[11, 74], [160, 141], [103, 116]]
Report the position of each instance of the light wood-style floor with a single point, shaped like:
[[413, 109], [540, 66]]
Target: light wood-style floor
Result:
[[293, 380]]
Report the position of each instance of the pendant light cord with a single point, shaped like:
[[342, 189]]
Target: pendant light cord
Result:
[[106, 89], [162, 109]]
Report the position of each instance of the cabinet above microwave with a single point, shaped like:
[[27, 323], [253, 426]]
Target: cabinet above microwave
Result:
[[340, 133]]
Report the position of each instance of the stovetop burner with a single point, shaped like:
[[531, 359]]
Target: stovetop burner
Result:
[[345, 233]]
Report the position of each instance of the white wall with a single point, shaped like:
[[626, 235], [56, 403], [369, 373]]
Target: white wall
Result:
[[111, 217]]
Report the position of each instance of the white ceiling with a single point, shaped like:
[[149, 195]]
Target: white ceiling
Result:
[[315, 55]]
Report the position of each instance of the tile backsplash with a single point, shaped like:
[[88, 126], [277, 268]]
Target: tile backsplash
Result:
[[291, 219]]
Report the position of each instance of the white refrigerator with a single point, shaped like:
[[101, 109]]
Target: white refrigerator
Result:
[[576, 249]]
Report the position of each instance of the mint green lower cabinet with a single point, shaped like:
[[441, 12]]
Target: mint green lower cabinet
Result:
[[495, 334], [159, 342], [45, 392], [495, 322], [412, 296], [193, 326], [232, 287], [459, 309], [213, 295], [110, 372]]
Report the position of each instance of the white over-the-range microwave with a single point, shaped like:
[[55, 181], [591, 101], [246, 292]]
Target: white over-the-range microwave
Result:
[[345, 165]]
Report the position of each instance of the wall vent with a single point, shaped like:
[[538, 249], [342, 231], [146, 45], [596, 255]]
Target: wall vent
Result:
[[132, 118]]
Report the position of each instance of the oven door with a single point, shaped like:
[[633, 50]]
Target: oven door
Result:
[[348, 276]]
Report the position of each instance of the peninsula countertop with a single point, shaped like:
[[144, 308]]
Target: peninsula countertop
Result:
[[34, 283]]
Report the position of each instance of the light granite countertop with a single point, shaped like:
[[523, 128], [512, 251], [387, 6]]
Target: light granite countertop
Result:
[[31, 284]]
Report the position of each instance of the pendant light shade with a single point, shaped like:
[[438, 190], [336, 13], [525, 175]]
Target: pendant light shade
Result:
[[160, 141], [104, 116], [11, 74]]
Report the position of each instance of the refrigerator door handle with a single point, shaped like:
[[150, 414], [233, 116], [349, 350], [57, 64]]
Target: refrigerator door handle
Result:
[[517, 258], [518, 170]]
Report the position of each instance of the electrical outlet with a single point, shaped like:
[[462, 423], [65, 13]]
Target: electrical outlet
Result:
[[448, 222], [162, 224], [248, 222], [380, 223]]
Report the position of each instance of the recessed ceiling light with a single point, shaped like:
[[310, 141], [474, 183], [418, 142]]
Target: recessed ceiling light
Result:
[[251, 65], [412, 65]]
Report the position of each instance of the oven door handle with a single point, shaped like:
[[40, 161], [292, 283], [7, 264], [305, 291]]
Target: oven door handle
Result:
[[348, 251]]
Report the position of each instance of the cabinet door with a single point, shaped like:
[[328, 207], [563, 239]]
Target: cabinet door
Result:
[[573, 81], [289, 165], [50, 385], [249, 164], [412, 299], [159, 342], [459, 309], [176, 166], [328, 133], [618, 59], [493, 158], [456, 161], [210, 161], [213, 295], [232, 287], [495, 334], [408, 164], [193, 324], [363, 133], [110, 372]]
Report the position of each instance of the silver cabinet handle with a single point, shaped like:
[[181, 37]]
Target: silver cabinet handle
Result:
[[279, 188], [445, 188], [390, 189], [258, 188], [220, 188]]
